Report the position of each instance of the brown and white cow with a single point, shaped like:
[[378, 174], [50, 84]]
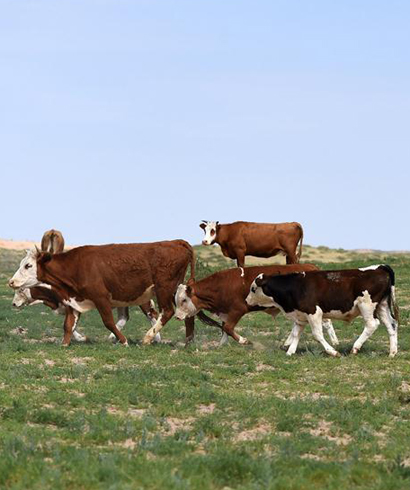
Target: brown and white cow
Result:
[[48, 297], [109, 276], [309, 297], [258, 239], [52, 242], [224, 294]]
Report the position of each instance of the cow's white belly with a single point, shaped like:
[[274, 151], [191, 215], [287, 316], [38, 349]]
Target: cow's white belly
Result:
[[80, 306], [145, 297]]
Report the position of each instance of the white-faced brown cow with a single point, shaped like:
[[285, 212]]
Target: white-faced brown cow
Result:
[[52, 242], [258, 239], [308, 297], [224, 294], [109, 276]]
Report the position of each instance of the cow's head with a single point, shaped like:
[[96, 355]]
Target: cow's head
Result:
[[210, 229], [26, 275], [22, 297], [184, 301], [256, 296]]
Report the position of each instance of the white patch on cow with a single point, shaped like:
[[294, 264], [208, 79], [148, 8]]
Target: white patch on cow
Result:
[[242, 340], [328, 325], [185, 308], [26, 274], [369, 268], [80, 306], [210, 232], [146, 296], [242, 272], [256, 296], [367, 308]]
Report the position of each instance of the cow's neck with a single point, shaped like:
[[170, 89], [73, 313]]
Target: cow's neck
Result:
[[54, 273]]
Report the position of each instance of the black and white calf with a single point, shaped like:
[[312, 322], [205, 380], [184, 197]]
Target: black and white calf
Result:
[[309, 297]]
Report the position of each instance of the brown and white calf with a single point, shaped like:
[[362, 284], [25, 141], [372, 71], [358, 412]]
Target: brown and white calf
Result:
[[52, 242], [257, 239], [111, 276], [309, 297], [224, 294], [45, 295]]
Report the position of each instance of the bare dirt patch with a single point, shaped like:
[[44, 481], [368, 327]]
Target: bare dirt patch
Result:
[[323, 429], [253, 434]]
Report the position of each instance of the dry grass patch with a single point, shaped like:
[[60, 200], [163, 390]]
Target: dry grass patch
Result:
[[324, 430]]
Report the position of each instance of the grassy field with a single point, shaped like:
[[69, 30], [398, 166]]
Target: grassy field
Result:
[[103, 416]]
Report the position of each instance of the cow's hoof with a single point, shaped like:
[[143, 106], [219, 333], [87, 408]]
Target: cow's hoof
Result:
[[65, 345], [336, 354], [392, 354], [355, 351]]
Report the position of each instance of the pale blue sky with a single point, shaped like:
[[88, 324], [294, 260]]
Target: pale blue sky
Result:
[[130, 120]]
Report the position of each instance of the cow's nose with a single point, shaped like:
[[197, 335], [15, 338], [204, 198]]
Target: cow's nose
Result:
[[204, 242], [15, 305], [11, 283]]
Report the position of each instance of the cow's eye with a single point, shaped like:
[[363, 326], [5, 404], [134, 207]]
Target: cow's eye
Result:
[[253, 290], [27, 266]]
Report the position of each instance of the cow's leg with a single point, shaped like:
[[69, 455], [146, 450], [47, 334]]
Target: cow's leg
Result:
[[165, 315], [123, 315], [315, 322], [331, 331], [229, 328], [151, 314], [224, 339], [189, 330], [383, 312], [296, 332], [292, 334], [69, 322], [105, 311], [291, 257], [77, 336], [240, 258], [366, 308]]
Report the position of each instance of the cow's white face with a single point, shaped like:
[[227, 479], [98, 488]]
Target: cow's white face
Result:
[[185, 308], [22, 297], [26, 275], [256, 296], [209, 228]]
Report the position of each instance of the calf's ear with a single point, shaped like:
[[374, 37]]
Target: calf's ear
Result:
[[202, 225]]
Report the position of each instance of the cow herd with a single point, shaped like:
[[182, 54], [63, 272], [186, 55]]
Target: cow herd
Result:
[[117, 276]]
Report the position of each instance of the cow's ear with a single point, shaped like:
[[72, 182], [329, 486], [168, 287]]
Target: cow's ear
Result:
[[188, 290], [217, 225], [190, 282], [202, 225], [44, 257]]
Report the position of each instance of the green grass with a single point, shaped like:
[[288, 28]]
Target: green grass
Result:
[[102, 416]]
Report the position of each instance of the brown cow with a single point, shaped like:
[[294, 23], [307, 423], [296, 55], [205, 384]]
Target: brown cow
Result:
[[224, 294], [108, 276], [52, 242], [258, 239]]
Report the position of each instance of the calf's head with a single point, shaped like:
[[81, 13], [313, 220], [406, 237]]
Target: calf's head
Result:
[[184, 301], [22, 297], [26, 275], [210, 229], [256, 296]]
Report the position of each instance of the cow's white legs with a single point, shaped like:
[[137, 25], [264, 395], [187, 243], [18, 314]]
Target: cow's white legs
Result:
[[366, 308], [296, 332], [78, 337], [289, 340], [315, 322], [383, 312], [224, 339], [331, 331]]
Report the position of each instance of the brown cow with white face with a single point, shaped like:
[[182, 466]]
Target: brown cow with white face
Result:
[[109, 276], [257, 239], [224, 294], [52, 242]]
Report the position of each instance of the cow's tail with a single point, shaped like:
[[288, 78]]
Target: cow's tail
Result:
[[299, 254], [207, 320], [394, 309]]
